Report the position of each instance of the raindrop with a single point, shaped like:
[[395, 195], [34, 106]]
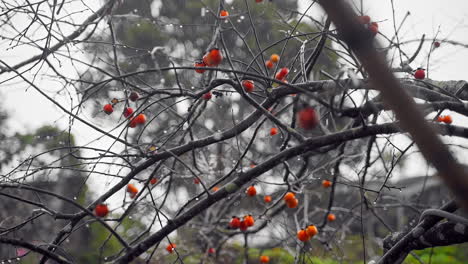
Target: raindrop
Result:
[[165, 131], [138, 25], [181, 26], [130, 217], [135, 10], [238, 20], [74, 197], [242, 17], [87, 225], [196, 199]]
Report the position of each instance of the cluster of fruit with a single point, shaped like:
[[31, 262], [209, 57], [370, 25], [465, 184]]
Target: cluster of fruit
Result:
[[373, 27], [140, 119], [246, 222]]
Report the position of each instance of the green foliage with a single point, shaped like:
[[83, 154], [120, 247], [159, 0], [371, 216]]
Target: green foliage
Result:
[[456, 254]]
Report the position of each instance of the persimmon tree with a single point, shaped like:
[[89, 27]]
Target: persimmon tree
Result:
[[222, 130]]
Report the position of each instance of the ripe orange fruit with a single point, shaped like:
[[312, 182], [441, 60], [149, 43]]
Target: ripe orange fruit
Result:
[[311, 231], [447, 119], [252, 165], [140, 119], [289, 196], [264, 259], [326, 183], [196, 181], [267, 198], [251, 191], [132, 189], [249, 220], [207, 96], [248, 85], [269, 64], [108, 109], [419, 74], [133, 96], [243, 225], [154, 181], [440, 118], [235, 222], [170, 248], [215, 189], [331, 217], [292, 203], [302, 235], [223, 14], [200, 64], [213, 57], [307, 118], [273, 131], [274, 58], [101, 210]]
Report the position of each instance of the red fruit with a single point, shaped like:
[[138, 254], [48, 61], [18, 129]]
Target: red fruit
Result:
[[249, 220], [326, 183], [154, 181], [140, 119], [311, 230], [420, 74], [235, 222], [211, 251], [252, 165], [267, 198], [302, 235], [436, 44], [292, 203], [282, 74], [331, 217], [289, 196], [364, 19], [132, 189], [248, 85], [132, 123], [213, 57], [273, 131], [170, 248], [373, 29], [440, 118], [243, 226], [108, 109], [274, 58], [207, 96], [200, 64], [307, 118], [269, 64], [215, 189], [447, 119], [264, 259], [258, 1], [133, 96], [128, 111], [251, 191], [101, 210], [223, 14], [196, 181]]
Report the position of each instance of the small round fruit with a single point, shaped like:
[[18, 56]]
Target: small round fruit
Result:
[[440, 118], [132, 189], [264, 259], [211, 251], [267, 199], [326, 183], [128, 111], [140, 119], [132, 123], [373, 29], [289, 196], [420, 74], [196, 181], [108, 109], [275, 58], [207, 96], [292, 203], [133, 96], [153, 181], [170, 248], [364, 19], [436, 44], [248, 85], [213, 57], [249, 220], [273, 131], [215, 189], [101, 210], [447, 119], [307, 118], [200, 64], [311, 230], [223, 14], [235, 222], [331, 217], [302, 235], [251, 191], [269, 64], [243, 225], [252, 165]]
